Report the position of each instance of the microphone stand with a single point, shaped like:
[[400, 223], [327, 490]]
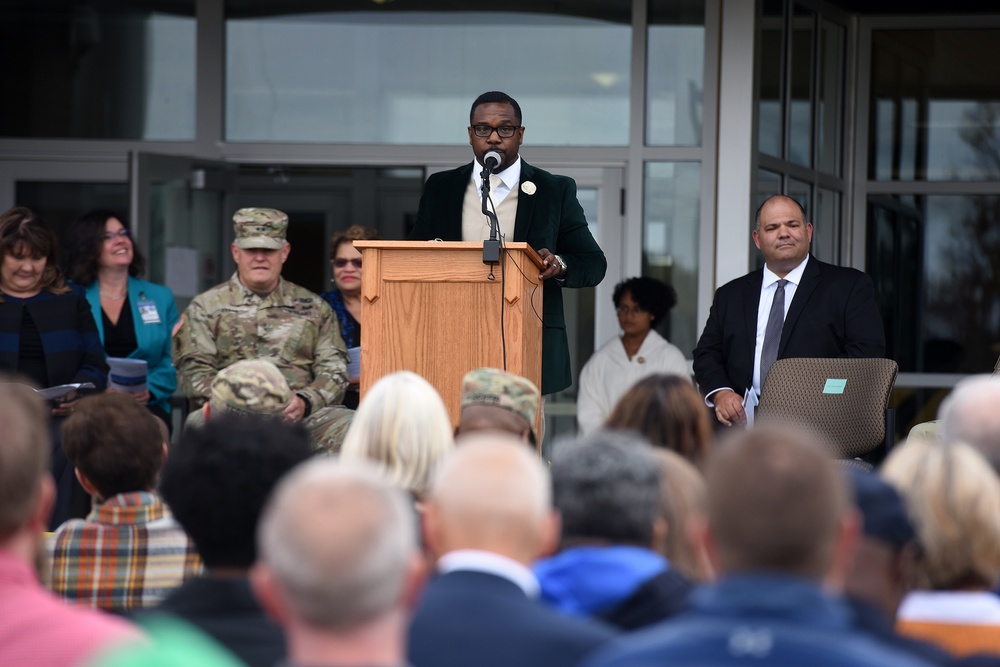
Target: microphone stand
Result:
[[491, 248]]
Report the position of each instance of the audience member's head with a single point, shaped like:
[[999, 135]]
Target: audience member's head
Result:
[[667, 411], [971, 413], [651, 295], [337, 558], [26, 489], [883, 559], [492, 494], [952, 495], [494, 400], [606, 487], [115, 444], [403, 427], [777, 503], [683, 501], [218, 477], [249, 387]]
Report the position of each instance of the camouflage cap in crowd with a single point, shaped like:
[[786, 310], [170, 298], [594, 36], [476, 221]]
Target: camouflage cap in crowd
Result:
[[250, 387], [260, 228], [492, 386]]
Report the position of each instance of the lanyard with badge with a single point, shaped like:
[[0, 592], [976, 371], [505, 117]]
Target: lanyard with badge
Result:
[[147, 310]]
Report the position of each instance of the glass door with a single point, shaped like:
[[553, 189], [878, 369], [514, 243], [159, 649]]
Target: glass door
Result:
[[180, 209]]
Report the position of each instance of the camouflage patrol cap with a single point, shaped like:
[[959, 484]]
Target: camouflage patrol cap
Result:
[[250, 387], [492, 386], [260, 228]]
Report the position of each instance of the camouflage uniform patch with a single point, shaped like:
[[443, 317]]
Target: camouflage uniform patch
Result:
[[492, 386]]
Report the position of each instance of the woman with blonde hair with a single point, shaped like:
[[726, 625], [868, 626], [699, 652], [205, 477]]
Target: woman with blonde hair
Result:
[[952, 497], [683, 498], [404, 428]]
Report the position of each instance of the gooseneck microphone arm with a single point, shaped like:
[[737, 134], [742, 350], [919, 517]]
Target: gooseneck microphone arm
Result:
[[491, 248]]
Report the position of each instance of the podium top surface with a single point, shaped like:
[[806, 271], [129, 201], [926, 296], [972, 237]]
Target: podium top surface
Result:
[[447, 245]]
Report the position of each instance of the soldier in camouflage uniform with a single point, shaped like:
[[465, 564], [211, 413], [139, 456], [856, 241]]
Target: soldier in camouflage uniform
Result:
[[252, 387], [257, 314], [496, 400]]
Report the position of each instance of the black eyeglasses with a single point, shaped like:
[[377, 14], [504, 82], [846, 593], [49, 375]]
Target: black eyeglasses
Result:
[[121, 232], [625, 310], [504, 131], [341, 262]]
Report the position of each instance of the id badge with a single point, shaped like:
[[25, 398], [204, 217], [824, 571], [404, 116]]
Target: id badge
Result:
[[148, 312]]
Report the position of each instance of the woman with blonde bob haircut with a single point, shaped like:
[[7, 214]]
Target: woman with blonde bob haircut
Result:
[[953, 498], [404, 428]]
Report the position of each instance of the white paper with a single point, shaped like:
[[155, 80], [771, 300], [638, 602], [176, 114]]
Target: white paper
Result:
[[51, 393], [750, 404], [354, 363], [128, 374]]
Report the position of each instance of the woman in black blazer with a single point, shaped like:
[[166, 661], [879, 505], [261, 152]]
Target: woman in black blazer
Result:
[[47, 334]]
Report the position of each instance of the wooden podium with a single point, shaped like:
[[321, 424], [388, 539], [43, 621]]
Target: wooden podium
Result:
[[430, 307]]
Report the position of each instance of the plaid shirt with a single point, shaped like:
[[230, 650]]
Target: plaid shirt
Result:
[[127, 554]]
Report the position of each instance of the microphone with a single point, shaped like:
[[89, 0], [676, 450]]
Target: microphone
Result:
[[491, 247], [491, 161]]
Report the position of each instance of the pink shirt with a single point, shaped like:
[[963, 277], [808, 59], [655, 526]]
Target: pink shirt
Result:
[[38, 629]]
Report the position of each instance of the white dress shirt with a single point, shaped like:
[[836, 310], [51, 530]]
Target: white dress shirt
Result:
[[768, 286]]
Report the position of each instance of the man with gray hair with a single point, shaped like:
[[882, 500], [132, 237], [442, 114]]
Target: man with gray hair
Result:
[[338, 565], [487, 518], [36, 628], [606, 487], [971, 414]]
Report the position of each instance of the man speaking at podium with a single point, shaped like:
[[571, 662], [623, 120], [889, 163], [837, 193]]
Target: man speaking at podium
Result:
[[531, 205]]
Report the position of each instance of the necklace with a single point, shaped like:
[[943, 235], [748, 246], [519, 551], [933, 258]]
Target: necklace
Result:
[[114, 297]]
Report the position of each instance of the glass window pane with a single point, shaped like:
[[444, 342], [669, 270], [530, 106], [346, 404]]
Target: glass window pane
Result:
[[772, 68], [938, 292], [675, 72], [61, 203], [801, 86], [405, 76], [830, 113], [671, 217], [934, 117], [826, 225], [98, 70]]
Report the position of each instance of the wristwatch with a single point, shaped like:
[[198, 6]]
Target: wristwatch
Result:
[[561, 263]]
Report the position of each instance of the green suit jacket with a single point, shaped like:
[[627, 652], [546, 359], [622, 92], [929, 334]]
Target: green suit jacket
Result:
[[550, 218]]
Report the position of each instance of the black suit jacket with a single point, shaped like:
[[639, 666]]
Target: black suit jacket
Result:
[[833, 314], [550, 218], [470, 618], [226, 609]]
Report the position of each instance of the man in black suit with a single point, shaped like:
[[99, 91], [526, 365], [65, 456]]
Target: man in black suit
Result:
[[488, 517], [829, 311], [532, 206]]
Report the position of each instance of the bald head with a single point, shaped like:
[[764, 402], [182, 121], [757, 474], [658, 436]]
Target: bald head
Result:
[[775, 503], [337, 540], [491, 494], [971, 414]]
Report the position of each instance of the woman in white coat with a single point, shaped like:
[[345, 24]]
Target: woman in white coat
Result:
[[641, 304]]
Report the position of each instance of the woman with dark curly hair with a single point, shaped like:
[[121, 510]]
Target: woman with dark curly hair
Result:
[[135, 318], [345, 297], [641, 304]]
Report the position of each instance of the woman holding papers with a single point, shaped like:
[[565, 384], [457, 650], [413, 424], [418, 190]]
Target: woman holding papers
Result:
[[345, 297], [46, 334], [134, 317]]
